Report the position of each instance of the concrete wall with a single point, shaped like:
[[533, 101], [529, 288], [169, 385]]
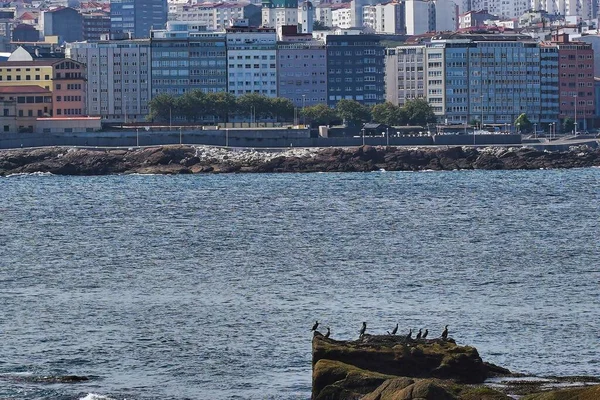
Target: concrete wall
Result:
[[236, 138]]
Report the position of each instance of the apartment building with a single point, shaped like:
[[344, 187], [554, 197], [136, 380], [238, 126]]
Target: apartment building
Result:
[[302, 68], [22, 105], [184, 57], [276, 13], [137, 17], [405, 74], [216, 16], [576, 81], [95, 24], [355, 69], [118, 78], [251, 60]]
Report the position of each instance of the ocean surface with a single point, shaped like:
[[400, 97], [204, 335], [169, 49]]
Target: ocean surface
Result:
[[206, 286]]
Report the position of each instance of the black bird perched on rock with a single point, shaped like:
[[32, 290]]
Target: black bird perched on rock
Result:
[[445, 333], [395, 330], [363, 329], [315, 326], [409, 336], [419, 334], [425, 334], [328, 333]]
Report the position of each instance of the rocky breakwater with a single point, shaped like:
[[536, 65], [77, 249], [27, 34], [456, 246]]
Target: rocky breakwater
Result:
[[192, 160], [390, 367]]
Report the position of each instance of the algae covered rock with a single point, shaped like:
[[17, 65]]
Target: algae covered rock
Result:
[[584, 393]]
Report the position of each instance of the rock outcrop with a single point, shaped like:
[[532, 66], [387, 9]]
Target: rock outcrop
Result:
[[194, 160]]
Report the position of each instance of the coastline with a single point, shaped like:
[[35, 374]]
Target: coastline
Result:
[[184, 159]]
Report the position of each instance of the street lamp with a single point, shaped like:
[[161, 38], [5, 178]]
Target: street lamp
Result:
[[226, 137], [137, 137], [303, 115], [575, 130], [180, 137], [387, 135], [363, 135], [535, 131]]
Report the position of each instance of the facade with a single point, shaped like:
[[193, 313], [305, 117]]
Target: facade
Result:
[[118, 78], [22, 105], [276, 13], [137, 17], [418, 17], [385, 18], [472, 19], [445, 15], [216, 16], [64, 22], [25, 33], [302, 70], [184, 59], [323, 14], [65, 79], [341, 17], [471, 78], [306, 16], [252, 60], [504, 8], [405, 74], [95, 25], [576, 82], [355, 69]]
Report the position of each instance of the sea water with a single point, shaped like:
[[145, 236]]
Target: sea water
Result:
[[206, 286]]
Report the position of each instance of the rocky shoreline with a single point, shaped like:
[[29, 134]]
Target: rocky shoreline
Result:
[[201, 159], [390, 367]]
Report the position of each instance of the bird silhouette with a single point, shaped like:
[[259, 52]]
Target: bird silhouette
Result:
[[315, 326], [445, 333], [409, 336], [425, 334], [419, 334], [328, 333], [395, 330], [363, 329]]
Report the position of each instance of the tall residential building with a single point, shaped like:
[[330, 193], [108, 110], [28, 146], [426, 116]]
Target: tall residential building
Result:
[[276, 13], [251, 60], [418, 17], [64, 22], [471, 77], [586, 9], [216, 16], [576, 81], [95, 24], [504, 8], [385, 18], [137, 17], [549, 83], [184, 58], [306, 16], [355, 69], [302, 68], [118, 78]]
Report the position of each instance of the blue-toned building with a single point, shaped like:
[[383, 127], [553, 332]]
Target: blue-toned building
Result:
[[184, 57], [549, 84], [355, 69], [137, 17]]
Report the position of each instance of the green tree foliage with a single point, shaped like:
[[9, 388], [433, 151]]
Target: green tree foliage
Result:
[[192, 106], [221, 105], [419, 112], [160, 106], [319, 26], [352, 112], [523, 123], [568, 125], [282, 109], [319, 114], [254, 103], [389, 114]]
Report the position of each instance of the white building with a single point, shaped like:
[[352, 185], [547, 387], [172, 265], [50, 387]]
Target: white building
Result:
[[586, 9], [504, 8], [323, 14], [446, 15], [341, 17], [251, 60], [118, 78], [385, 18], [306, 17], [404, 74], [276, 13], [418, 17], [215, 16]]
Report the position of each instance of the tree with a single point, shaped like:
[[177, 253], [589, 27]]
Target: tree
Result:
[[282, 108], [221, 105], [192, 105], [523, 123], [568, 125], [419, 112], [161, 107], [320, 26], [352, 112], [254, 103], [319, 114], [389, 114]]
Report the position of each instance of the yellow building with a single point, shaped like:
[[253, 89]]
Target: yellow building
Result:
[[20, 106]]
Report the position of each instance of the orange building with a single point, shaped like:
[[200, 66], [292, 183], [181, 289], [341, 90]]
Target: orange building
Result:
[[20, 106], [65, 78]]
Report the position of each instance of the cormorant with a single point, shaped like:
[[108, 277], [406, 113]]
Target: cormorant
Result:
[[409, 336], [363, 329], [328, 333], [395, 330], [445, 333], [315, 326], [419, 334], [425, 334]]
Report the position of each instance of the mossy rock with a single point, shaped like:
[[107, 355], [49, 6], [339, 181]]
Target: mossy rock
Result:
[[339, 381], [408, 389], [585, 393], [480, 393]]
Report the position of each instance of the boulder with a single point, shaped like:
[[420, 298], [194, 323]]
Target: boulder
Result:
[[584, 393]]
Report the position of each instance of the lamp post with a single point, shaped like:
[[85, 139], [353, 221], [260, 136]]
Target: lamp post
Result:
[[387, 136], [303, 103], [535, 131], [226, 137], [180, 137], [575, 129], [363, 135], [137, 137]]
